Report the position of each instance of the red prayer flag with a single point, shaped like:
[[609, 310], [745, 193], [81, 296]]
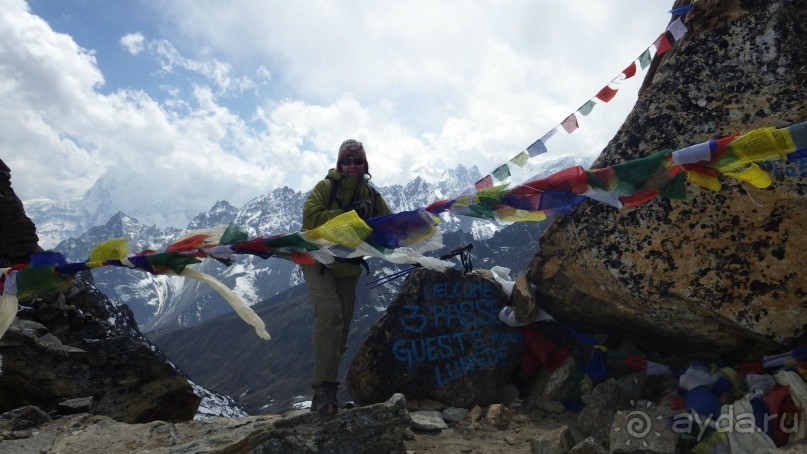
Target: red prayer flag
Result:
[[302, 258], [573, 179], [630, 71], [638, 198], [570, 123], [484, 183], [662, 44], [190, 243], [606, 94]]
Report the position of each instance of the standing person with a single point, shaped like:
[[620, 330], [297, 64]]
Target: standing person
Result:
[[332, 288]]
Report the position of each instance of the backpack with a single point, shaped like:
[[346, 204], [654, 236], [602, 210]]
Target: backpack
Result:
[[336, 184]]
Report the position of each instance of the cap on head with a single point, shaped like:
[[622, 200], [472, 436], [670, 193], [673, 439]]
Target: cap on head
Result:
[[352, 149]]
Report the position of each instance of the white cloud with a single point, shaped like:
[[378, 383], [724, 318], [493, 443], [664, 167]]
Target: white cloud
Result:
[[425, 85], [134, 43]]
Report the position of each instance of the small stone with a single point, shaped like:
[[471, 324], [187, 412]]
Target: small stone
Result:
[[453, 414], [499, 415], [427, 420], [475, 413], [551, 406], [557, 441]]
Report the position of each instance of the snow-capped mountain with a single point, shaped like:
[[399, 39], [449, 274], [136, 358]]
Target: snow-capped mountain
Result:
[[162, 301]]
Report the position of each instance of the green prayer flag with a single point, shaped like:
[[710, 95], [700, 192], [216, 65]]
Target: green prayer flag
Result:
[[175, 261], [293, 240], [586, 108], [645, 59], [39, 279], [233, 234], [675, 189], [520, 159], [633, 174], [502, 172], [482, 211]]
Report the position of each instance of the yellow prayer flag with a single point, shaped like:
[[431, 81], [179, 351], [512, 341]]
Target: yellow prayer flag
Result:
[[114, 249], [347, 229], [703, 180], [510, 214], [762, 144], [520, 159], [753, 175]]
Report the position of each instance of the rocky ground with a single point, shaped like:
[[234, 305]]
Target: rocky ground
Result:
[[492, 429], [483, 437]]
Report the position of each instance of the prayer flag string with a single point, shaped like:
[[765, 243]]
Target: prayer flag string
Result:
[[402, 237]]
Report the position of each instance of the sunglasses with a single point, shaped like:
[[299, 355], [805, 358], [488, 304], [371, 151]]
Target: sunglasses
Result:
[[348, 161]]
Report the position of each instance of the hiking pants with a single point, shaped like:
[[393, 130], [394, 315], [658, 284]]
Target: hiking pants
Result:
[[333, 300]]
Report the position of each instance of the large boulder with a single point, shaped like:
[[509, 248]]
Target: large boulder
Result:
[[79, 344], [726, 271], [441, 339]]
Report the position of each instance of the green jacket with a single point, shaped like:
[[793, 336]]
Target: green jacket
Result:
[[319, 208]]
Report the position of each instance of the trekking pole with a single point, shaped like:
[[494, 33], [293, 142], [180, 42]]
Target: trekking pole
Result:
[[465, 258], [392, 276]]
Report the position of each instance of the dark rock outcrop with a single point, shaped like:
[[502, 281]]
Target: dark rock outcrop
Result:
[[78, 344], [441, 339], [724, 272], [17, 233], [65, 346]]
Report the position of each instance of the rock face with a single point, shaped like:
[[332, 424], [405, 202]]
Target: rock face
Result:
[[440, 339], [721, 271], [17, 233], [64, 347], [377, 428], [78, 344]]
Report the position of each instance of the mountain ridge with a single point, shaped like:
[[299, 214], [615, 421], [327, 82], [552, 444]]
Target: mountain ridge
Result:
[[163, 301]]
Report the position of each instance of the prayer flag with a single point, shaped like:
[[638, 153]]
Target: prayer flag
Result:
[[677, 29], [798, 134], [41, 279], [109, 250], [520, 159], [233, 234], [606, 94], [174, 261], [537, 148], [347, 229], [753, 175], [693, 154], [46, 258], [586, 108], [703, 176], [484, 183], [402, 229], [680, 11], [662, 44], [502, 172], [630, 71], [549, 134], [645, 59], [570, 123]]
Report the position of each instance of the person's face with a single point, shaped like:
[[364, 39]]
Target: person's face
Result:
[[352, 165]]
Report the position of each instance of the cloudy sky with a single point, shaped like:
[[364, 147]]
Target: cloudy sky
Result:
[[202, 100]]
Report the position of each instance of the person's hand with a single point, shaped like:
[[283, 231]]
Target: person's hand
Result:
[[363, 208]]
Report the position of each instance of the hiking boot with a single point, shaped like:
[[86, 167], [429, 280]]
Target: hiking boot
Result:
[[324, 401]]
